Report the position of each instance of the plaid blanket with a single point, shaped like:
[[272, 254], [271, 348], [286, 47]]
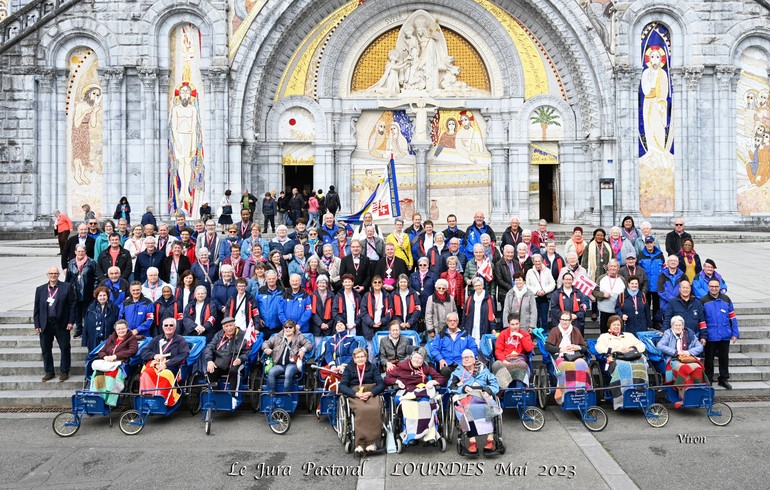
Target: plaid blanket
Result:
[[573, 375], [110, 384], [419, 417], [623, 374], [473, 415]]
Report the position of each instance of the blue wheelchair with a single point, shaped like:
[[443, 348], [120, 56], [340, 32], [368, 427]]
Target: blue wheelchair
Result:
[[315, 383], [639, 396], [88, 402], [695, 396], [581, 400], [223, 397], [414, 340], [520, 397], [145, 405], [278, 406]]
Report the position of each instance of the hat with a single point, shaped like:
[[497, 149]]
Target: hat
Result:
[[631, 255], [228, 319], [577, 228], [422, 352], [322, 277], [649, 239], [331, 188], [709, 261]]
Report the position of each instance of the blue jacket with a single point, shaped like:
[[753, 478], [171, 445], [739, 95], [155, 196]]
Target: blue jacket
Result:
[[667, 344], [653, 264], [140, 316], [692, 312], [118, 293], [221, 294], [424, 289], [720, 318], [700, 286], [339, 349], [483, 380], [204, 279], [473, 236], [328, 235], [269, 306], [247, 245], [668, 286], [296, 307], [638, 313], [450, 351]]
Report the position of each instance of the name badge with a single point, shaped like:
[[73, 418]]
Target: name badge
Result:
[[50, 301]]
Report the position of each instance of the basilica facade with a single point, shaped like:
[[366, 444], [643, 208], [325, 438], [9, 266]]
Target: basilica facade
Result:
[[562, 109]]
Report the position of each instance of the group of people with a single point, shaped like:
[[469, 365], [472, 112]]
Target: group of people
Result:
[[336, 281]]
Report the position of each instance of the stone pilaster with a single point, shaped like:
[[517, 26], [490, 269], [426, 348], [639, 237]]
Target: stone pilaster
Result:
[[150, 166], [422, 204], [114, 161], [46, 126]]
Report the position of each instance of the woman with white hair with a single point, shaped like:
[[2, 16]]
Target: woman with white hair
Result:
[[681, 347], [480, 266], [479, 312], [205, 271], [200, 316], [439, 305]]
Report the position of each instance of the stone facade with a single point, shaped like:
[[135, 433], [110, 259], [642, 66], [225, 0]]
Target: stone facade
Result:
[[590, 51]]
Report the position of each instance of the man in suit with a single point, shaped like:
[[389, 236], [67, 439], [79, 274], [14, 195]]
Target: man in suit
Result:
[[54, 317], [356, 264], [81, 238]]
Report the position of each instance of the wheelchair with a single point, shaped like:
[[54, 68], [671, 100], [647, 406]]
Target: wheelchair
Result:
[[414, 340], [695, 396], [519, 397], [346, 422], [147, 404], [580, 400], [279, 406], [637, 396], [452, 426], [224, 397], [88, 402], [315, 383], [398, 421]]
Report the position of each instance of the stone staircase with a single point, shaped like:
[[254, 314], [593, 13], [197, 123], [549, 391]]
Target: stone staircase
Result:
[[21, 366]]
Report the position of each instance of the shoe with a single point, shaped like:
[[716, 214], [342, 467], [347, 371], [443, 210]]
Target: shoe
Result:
[[490, 445], [593, 317], [371, 448], [64, 377], [678, 404], [726, 385], [359, 450], [78, 334], [318, 414], [472, 448], [48, 377]]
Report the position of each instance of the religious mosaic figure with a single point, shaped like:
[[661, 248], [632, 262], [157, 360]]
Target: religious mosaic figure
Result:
[[468, 139], [85, 117], [184, 129], [447, 138]]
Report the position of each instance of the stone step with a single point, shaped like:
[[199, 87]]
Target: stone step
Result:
[[754, 332], [20, 341], [751, 309], [750, 345], [35, 368], [17, 329], [33, 383], [753, 320], [744, 388], [750, 359], [16, 317], [36, 398], [748, 373], [33, 354]]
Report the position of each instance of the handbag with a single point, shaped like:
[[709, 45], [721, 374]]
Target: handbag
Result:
[[105, 366], [227, 209], [573, 356], [627, 356], [688, 359]]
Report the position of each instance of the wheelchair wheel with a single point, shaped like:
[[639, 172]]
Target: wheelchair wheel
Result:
[[720, 414], [500, 446], [343, 428], [312, 397], [255, 384], [207, 421], [597, 380], [130, 423], [65, 424], [280, 421], [599, 416], [194, 395], [657, 415], [449, 422], [534, 419], [132, 386], [542, 380], [348, 447], [442, 444], [399, 446]]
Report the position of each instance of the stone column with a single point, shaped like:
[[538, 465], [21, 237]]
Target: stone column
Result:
[[726, 180], [627, 120], [46, 128], [691, 159], [161, 165], [218, 169], [572, 197], [344, 168], [499, 177], [421, 204], [518, 180], [59, 154], [114, 172], [236, 175], [148, 77]]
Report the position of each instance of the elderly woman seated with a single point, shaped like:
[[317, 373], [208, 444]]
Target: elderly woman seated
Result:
[[569, 348], [627, 364], [108, 377], [417, 383], [394, 348], [288, 349], [511, 350], [163, 357], [681, 347], [474, 388], [362, 384]]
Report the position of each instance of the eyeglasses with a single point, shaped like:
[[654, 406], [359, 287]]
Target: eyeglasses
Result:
[[453, 320], [233, 231], [440, 288], [423, 265], [169, 325], [288, 328], [565, 319], [93, 223], [678, 224], [376, 282], [469, 357], [53, 273]]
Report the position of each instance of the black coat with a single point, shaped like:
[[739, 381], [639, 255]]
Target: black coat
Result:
[[123, 262], [64, 302], [178, 350], [83, 282], [99, 323], [144, 261], [349, 384], [165, 270], [361, 276], [69, 249]]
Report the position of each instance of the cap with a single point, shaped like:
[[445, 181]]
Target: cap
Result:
[[421, 352], [709, 261], [649, 239], [228, 319], [631, 255]]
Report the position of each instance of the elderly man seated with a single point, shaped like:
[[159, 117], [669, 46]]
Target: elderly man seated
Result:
[[226, 353]]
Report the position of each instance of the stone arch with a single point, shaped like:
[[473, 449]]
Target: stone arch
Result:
[[749, 34], [163, 16], [55, 47], [671, 14], [271, 127], [375, 18], [565, 111]]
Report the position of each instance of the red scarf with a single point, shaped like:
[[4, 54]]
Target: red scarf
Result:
[[688, 257]]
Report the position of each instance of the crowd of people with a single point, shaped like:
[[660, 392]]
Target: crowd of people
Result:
[[333, 279]]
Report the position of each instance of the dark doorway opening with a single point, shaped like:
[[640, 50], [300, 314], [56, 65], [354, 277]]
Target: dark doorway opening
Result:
[[299, 176], [548, 196]]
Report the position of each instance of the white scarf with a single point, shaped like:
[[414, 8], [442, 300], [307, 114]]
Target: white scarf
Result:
[[566, 337]]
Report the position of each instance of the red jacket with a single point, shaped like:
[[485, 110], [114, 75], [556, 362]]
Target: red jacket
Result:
[[507, 344]]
